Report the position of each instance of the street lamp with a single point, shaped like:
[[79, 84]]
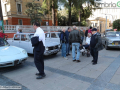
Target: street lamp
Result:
[[106, 19]]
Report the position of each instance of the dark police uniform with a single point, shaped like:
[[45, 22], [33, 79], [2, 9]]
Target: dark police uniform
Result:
[[95, 45]]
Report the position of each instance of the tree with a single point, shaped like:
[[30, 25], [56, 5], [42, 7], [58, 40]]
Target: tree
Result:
[[68, 4], [116, 24], [53, 6], [84, 12], [34, 11]]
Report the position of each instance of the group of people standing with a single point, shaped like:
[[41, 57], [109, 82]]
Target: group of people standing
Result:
[[75, 38]]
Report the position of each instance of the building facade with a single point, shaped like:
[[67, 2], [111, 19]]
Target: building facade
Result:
[[14, 13], [98, 18]]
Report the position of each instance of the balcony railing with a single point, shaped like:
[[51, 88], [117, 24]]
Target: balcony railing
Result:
[[14, 13], [29, 28]]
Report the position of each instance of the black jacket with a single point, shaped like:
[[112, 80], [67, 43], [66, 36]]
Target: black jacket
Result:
[[74, 37], [63, 37], [38, 45], [99, 45], [86, 33]]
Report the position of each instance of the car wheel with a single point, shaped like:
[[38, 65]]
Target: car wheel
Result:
[[88, 54], [83, 53], [106, 47]]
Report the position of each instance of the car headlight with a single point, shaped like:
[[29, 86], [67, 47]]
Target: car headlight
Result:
[[24, 52], [59, 46], [110, 41], [47, 48]]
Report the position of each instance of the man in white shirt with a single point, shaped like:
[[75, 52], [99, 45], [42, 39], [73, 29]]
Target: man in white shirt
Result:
[[39, 50]]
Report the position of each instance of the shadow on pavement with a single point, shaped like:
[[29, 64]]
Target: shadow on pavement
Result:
[[45, 57]]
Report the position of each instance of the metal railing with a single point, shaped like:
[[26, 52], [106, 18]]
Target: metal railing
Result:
[[29, 28]]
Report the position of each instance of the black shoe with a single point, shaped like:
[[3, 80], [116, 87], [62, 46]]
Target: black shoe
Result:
[[94, 63], [41, 76], [74, 60], [78, 60], [37, 74], [66, 54]]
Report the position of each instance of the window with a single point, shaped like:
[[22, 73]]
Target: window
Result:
[[6, 22], [19, 9], [95, 24], [23, 37], [17, 37], [20, 22], [47, 35], [53, 35], [38, 0]]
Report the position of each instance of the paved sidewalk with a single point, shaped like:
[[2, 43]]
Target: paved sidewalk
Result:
[[67, 75]]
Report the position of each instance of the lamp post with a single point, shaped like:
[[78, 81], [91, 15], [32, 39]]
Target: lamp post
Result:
[[106, 22], [106, 19]]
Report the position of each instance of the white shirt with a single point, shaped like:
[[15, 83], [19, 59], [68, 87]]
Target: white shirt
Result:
[[39, 32], [88, 40]]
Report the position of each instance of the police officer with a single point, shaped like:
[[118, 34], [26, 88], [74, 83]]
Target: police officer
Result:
[[95, 45], [39, 50]]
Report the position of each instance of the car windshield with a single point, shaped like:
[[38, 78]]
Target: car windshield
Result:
[[107, 30], [112, 34], [3, 42]]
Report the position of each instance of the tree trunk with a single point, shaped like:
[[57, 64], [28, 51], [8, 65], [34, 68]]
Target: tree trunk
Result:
[[53, 13], [1, 16], [54, 17], [79, 18], [70, 13], [80, 14]]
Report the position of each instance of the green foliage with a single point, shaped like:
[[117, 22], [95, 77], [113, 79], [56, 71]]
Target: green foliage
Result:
[[116, 24], [62, 20], [34, 11], [77, 6]]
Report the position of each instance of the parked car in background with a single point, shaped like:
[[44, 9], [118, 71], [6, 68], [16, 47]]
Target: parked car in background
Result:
[[111, 39], [11, 55], [54, 36], [23, 40]]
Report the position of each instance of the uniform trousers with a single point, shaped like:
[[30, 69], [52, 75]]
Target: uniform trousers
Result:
[[94, 54]]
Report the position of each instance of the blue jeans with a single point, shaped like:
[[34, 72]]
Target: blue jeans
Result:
[[82, 38], [86, 46], [67, 48], [74, 47], [63, 49]]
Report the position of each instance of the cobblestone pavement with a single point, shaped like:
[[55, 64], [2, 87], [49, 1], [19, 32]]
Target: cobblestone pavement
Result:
[[64, 74]]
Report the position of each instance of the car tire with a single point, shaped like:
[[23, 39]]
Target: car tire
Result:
[[83, 54], [88, 54], [106, 47]]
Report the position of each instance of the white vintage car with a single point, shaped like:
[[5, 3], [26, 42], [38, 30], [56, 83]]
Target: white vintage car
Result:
[[23, 40], [11, 55]]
